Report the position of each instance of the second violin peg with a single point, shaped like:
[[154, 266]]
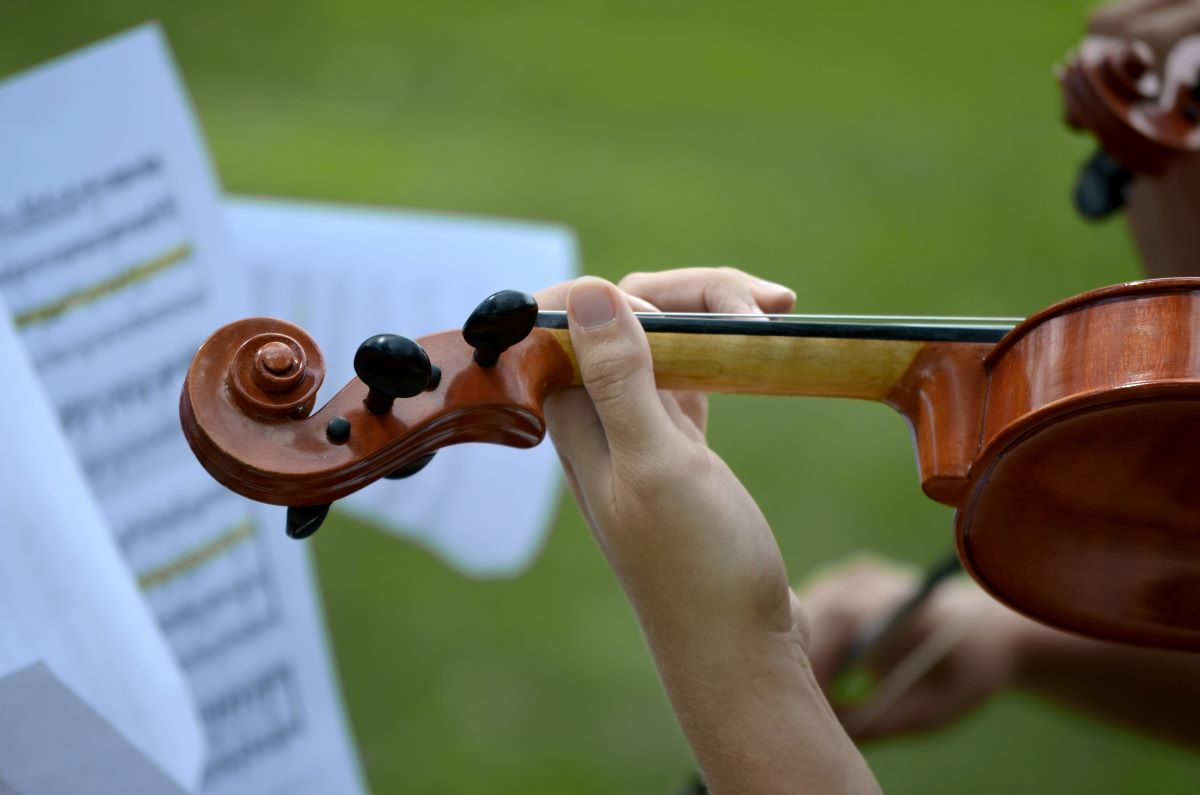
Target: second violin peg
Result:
[[304, 520], [393, 367], [502, 320]]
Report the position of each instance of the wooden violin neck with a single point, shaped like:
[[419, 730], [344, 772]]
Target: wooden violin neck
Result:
[[937, 386], [797, 355], [753, 365]]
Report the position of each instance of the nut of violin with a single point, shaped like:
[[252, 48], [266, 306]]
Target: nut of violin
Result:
[[500, 321]]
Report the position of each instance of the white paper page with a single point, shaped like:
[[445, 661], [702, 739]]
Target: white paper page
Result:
[[112, 251], [53, 743], [346, 273], [66, 597]]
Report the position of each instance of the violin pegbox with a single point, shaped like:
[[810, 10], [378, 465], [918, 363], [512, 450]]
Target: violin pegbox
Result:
[[1141, 119], [247, 404]]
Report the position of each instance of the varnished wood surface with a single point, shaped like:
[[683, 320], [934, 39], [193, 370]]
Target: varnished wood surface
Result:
[[1148, 124], [1084, 509], [800, 366], [263, 446], [1068, 447], [1091, 522]]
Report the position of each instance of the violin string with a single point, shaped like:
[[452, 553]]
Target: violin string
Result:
[[883, 320]]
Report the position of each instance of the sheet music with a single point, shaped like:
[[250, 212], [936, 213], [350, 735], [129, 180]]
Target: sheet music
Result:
[[111, 252], [66, 597], [346, 273], [53, 743]]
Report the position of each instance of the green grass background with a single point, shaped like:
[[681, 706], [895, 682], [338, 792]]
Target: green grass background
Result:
[[879, 157]]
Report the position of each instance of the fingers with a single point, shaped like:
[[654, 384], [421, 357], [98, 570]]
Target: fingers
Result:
[[916, 710], [840, 602], [614, 361], [679, 406], [1165, 27], [1158, 23], [723, 290], [555, 299], [1113, 19], [694, 407], [579, 440]]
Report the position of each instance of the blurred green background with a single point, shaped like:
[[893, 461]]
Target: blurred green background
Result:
[[879, 157]]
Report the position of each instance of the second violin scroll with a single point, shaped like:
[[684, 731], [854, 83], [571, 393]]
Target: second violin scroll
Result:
[[1146, 119]]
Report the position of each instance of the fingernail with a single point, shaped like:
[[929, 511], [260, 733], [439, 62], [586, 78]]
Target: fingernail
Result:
[[590, 304]]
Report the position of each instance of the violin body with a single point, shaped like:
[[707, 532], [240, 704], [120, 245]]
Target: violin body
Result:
[[1068, 447], [1083, 503]]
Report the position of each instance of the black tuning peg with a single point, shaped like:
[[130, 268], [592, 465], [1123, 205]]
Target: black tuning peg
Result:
[[304, 520], [412, 468], [393, 367], [1102, 186], [501, 321]]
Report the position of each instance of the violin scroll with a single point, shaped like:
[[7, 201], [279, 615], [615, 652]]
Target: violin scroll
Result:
[[275, 373], [1143, 121], [1147, 125], [247, 406]]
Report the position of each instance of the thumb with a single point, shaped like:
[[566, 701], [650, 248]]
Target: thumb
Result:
[[613, 355]]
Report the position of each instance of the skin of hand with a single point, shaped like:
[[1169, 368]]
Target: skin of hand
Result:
[[689, 545], [1146, 689], [1159, 23], [841, 601]]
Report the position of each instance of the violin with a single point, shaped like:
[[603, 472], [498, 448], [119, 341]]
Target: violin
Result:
[[1146, 120], [1065, 441]]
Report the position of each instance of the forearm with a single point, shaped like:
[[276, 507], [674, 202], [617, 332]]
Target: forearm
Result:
[[1151, 690], [755, 716]]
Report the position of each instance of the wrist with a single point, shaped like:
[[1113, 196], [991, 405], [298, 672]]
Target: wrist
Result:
[[1030, 645], [756, 718]]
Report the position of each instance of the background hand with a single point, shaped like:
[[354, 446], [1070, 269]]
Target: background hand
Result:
[[841, 602], [1159, 23]]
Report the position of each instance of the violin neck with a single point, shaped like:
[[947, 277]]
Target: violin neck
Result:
[[933, 375], [799, 366], [793, 357]]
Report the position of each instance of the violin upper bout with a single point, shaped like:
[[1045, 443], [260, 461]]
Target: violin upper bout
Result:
[[1086, 482]]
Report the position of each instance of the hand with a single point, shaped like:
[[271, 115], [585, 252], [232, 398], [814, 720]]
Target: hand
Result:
[[687, 542], [839, 603], [1159, 23], [690, 547]]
